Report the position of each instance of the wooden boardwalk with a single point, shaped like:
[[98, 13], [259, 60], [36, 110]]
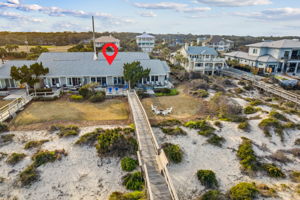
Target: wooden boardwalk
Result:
[[151, 157], [257, 82]]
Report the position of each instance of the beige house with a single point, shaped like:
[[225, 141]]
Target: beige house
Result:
[[99, 42]]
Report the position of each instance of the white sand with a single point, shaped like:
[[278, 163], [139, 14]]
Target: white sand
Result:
[[82, 174], [223, 161]]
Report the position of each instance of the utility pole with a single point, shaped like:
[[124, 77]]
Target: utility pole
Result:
[[94, 44]]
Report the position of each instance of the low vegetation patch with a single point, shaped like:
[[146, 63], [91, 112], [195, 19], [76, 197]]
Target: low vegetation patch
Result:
[[273, 170], [128, 164], [166, 92], [97, 97], [3, 127], [173, 131], [243, 191], [266, 191], [295, 176], [45, 156], [76, 97], [170, 122], [277, 115], [268, 123], [247, 156], [212, 195], [29, 175], [207, 178], [35, 144], [173, 152], [200, 93], [244, 126], [133, 181], [89, 138], [250, 110], [136, 195], [218, 124], [256, 102], [204, 127], [117, 142], [280, 156], [65, 131], [216, 140], [7, 138], [14, 158]]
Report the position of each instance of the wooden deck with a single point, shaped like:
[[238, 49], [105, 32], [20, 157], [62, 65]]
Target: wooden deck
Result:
[[152, 159]]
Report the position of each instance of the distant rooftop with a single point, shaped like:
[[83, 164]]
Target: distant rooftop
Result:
[[107, 39], [145, 35], [244, 55], [278, 44]]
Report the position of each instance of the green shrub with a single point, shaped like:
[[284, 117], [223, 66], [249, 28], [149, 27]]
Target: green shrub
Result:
[[33, 144], [207, 178], [98, 97], [45, 156], [14, 158], [205, 128], [250, 110], [218, 124], [290, 104], [243, 191], [232, 118], [114, 142], [173, 131], [273, 171], [89, 138], [256, 102], [238, 90], [212, 195], [170, 122], [76, 97], [7, 138], [133, 181], [277, 115], [243, 126], [295, 176], [29, 175], [85, 91], [136, 195], [65, 131], [168, 92], [128, 164], [173, 152], [266, 124], [202, 93], [246, 155], [216, 140], [3, 127]]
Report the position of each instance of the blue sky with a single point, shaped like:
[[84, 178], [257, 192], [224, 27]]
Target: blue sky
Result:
[[228, 17]]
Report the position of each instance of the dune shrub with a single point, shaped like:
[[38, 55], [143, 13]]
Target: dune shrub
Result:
[[273, 170], [204, 128], [136, 195], [7, 138], [243, 191], [212, 195], [45, 156], [29, 175], [89, 138], [173, 131], [207, 178], [34, 144], [128, 164], [170, 122], [247, 156], [98, 97], [250, 110], [3, 127], [295, 176], [133, 181], [243, 126], [173, 152], [14, 158], [277, 115], [216, 140]]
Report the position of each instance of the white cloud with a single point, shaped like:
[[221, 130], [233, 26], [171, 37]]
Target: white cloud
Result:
[[148, 14], [273, 14], [13, 1], [171, 6], [235, 3], [17, 16]]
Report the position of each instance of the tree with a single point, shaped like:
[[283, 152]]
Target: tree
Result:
[[11, 47], [133, 72], [28, 75], [38, 50]]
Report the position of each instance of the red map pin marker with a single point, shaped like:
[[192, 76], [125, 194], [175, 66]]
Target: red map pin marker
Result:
[[110, 59]]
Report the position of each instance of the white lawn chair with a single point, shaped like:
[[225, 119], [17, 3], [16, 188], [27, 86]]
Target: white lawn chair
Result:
[[157, 112]]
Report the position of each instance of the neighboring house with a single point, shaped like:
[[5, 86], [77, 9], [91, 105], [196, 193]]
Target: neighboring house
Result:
[[146, 42], [200, 40], [79, 68], [218, 43], [198, 59], [271, 56], [99, 42]]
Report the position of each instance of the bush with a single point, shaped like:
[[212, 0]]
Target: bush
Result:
[[98, 97], [295, 176], [170, 122], [277, 115], [65, 131], [268, 123], [216, 140], [33, 144], [273, 171], [7, 138], [128, 164], [29, 175], [133, 181], [200, 93], [205, 128], [256, 102], [3, 127], [207, 178], [266, 191], [168, 92], [238, 90], [246, 155], [218, 124], [14, 158], [173, 131], [232, 118], [115, 142], [173, 152], [136, 195], [85, 91], [76, 98], [142, 94], [250, 110], [89, 138], [212, 195], [243, 126], [45, 156], [243, 191]]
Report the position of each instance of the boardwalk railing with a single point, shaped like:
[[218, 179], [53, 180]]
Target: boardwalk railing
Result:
[[257, 82], [13, 107]]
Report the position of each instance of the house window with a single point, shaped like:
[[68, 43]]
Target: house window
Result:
[[286, 54], [254, 51], [154, 78], [55, 81], [119, 81], [100, 80]]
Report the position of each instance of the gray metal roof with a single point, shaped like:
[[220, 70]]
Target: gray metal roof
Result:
[[82, 64], [244, 55], [201, 50], [145, 35], [278, 44]]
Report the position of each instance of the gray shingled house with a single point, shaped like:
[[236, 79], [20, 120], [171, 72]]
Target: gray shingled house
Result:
[[79, 68]]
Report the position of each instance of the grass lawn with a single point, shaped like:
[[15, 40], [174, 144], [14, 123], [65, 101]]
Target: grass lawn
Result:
[[65, 111], [184, 106], [50, 48]]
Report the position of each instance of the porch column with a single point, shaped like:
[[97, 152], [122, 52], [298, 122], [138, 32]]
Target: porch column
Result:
[[296, 69], [282, 70], [213, 70], [204, 67]]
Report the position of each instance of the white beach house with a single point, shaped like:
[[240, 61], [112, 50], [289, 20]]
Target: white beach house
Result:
[[99, 42], [281, 56], [146, 42]]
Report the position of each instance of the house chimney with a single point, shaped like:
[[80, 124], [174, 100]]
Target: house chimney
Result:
[[94, 43]]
